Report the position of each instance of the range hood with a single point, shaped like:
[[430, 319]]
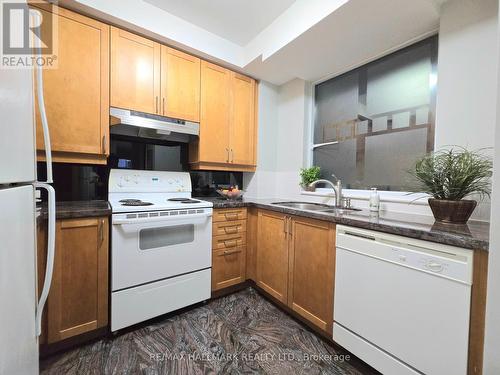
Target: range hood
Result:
[[145, 125]]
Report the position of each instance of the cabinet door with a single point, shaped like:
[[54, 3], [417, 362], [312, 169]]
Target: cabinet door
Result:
[[78, 299], [76, 93], [214, 121], [135, 72], [228, 267], [242, 129], [272, 255], [180, 85], [312, 265]]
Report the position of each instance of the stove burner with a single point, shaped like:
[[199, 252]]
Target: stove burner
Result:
[[183, 200], [134, 202]]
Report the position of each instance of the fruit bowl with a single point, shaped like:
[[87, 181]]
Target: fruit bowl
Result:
[[232, 194]]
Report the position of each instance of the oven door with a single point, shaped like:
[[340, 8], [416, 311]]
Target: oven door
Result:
[[150, 249]]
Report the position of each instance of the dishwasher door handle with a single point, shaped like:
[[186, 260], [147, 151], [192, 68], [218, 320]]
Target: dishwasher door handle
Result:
[[364, 236]]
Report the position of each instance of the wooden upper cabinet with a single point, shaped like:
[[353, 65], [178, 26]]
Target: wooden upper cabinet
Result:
[[272, 254], [76, 93], [228, 129], [78, 298], [242, 129], [214, 122], [152, 78], [180, 85], [135, 72], [312, 265]]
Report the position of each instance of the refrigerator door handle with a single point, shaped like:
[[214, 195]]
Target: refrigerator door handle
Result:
[[41, 103], [51, 236]]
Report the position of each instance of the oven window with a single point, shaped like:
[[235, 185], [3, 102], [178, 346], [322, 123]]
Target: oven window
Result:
[[153, 238]]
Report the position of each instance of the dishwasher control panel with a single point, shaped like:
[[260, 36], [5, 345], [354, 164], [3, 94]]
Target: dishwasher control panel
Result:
[[440, 260], [453, 268]]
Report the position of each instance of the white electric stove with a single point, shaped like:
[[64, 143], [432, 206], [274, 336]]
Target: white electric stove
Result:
[[161, 242]]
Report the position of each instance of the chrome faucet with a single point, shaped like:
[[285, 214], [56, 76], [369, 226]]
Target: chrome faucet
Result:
[[337, 188]]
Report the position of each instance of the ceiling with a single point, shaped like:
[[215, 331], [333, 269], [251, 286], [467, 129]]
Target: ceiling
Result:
[[358, 32], [238, 21], [276, 40]]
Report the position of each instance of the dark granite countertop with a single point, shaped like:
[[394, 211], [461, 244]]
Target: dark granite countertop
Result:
[[78, 209], [474, 235]]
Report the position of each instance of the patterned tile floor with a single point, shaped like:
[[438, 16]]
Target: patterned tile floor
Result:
[[239, 333]]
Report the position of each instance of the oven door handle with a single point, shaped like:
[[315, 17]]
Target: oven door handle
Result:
[[171, 220]]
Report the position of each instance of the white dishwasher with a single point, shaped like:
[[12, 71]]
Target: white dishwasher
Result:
[[402, 305]]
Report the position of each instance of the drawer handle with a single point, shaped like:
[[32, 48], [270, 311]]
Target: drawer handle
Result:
[[231, 216], [232, 243], [231, 230], [227, 252]]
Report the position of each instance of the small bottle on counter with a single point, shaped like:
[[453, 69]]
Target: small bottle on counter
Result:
[[374, 200]]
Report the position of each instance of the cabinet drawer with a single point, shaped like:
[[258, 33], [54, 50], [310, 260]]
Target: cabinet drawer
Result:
[[229, 227], [229, 241], [228, 267], [229, 214]]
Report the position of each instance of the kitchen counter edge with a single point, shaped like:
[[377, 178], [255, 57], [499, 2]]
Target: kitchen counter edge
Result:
[[78, 209], [474, 236]]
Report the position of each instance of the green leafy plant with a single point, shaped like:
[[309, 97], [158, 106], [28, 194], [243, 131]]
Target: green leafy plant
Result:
[[453, 174], [308, 175]]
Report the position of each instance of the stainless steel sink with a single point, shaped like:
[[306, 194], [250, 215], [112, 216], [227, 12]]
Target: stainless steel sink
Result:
[[304, 205], [322, 208], [340, 211]]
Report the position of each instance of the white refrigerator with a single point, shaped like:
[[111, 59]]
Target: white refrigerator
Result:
[[21, 304]]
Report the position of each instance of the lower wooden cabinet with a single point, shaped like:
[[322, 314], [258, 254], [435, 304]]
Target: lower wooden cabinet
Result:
[[228, 267], [311, 270], [78, 298], [295, 263], [228, 247], [272, 254]]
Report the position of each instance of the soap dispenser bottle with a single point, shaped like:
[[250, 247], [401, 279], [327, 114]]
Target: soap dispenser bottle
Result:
[[374, 200]]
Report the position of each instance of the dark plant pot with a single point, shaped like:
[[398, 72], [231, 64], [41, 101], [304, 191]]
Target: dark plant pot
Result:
[[452, 212], [307, 187]]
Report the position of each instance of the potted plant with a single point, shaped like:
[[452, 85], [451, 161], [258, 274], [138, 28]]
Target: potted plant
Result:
[[309, 175], [451, 175]]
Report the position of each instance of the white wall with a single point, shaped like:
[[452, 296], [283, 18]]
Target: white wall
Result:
[[283, 111], [492, 340], [262, 183], [466, 93], [292, 131]]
